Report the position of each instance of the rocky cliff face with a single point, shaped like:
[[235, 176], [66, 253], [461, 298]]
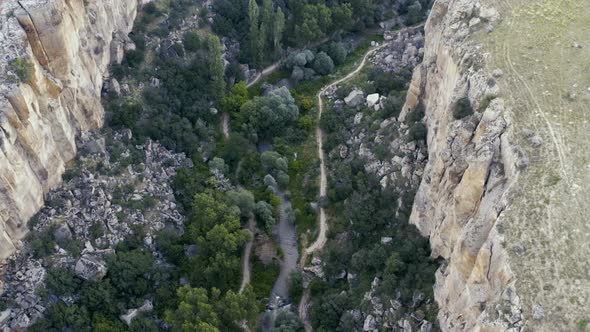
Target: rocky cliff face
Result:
[[469, 170], [67, 45], [496, 202]]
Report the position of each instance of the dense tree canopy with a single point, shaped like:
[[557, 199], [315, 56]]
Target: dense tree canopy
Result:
[[267, 116]]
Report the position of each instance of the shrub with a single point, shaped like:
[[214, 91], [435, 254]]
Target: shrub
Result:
[[487, 99], [337, 52], [134, 58], [418, 132], [295, 286], [323, 64], [463, 108], [42, 242], [415, 115], [62, 281], [23, 69], [392, 107]]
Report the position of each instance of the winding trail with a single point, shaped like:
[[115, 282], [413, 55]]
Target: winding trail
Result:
[[265, 72], [246, 256], [321, 239]]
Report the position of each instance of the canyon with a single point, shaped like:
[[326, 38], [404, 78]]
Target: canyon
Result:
[[493, 199]]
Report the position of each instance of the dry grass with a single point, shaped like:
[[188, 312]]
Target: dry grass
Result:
[[547, 81]]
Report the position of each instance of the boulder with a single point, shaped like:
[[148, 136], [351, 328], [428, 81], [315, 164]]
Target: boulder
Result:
[[154, 82], [132, 313], [90, 268], [354, 98], [114, 87], [97, 146], [372, 99], [386, 240], [62, 233], [370, 324]]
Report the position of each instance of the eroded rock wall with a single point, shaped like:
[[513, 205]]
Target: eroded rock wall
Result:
[[69, 45], [471, 167]]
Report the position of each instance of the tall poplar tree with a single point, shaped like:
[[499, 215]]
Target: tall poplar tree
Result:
[[216, 69], [254, 35], [277, 31]]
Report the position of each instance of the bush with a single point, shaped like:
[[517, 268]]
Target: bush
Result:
[[415, 115], [42, 242], [463, 108], [418, 132], [23, 69], [337, 52], [191, 41], [62, 281], [134, 58], [323, 64], [295, 286], [392, 107], [265, 216]]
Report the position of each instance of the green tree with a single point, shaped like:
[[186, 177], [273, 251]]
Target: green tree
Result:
[[62, 281], [99, 297], [268, 116], [209, 212], [234, 307], [129, 271], [243, 199], [337, 52], [216, 72], [191, 41], [237, 97], [295, 286], [287, 321], [100, 323], [414, 13], [194, 311], [323, 64], [61, 317], [342, 17], [266, 26], [203, 311], [223, 238], [254, 35], [274, 161], [278, 30], [264, 214]]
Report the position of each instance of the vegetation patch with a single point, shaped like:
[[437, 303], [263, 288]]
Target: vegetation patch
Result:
[[463, 108], [23, 69]]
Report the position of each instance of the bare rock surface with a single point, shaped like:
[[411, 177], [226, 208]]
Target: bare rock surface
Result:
[[67, 46], [111, 190]]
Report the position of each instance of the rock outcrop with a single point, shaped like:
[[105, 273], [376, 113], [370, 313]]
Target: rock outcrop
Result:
[[493, 193], [470, 166], [112, 193], [66, 46]]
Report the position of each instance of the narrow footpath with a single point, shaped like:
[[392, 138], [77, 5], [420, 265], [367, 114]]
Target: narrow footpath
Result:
[[323, 229]]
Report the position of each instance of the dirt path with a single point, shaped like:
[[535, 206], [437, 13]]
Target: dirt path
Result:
[[265, 72], [321, 239], [246, 256], [276, 65]]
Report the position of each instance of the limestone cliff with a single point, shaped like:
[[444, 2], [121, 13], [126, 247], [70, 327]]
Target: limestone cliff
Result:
[[503, 208], [68, 44]]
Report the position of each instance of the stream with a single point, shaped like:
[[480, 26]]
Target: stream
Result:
[[286, 236]]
